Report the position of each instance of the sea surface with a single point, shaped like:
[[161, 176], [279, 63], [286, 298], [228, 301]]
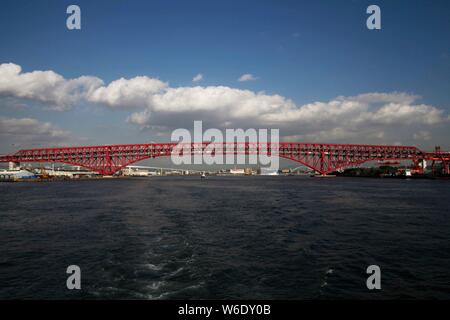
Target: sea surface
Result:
[[225, 238]]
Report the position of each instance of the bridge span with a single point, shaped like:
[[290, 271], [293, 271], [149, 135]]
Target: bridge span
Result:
[[321, 157]]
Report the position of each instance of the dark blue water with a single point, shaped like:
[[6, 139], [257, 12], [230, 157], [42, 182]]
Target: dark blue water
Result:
[[225, 237]]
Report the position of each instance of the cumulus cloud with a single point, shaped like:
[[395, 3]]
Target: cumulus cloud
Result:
[[247, 77], [371, 117], [140, 118], [135, 92], [368, 117], [46, 87], [30, 132], [198, 78]]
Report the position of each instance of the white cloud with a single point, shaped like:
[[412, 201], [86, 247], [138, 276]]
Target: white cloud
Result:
[[247, 77], [30, 132], [127, 93], [198, 78], [381, 97], [140, 118], [45, 86], [393, 113], [368, 117]]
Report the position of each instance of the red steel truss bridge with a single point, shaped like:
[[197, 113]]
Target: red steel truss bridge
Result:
[[321, 157]]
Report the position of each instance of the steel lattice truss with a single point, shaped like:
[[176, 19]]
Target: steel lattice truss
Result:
[[323, 158]]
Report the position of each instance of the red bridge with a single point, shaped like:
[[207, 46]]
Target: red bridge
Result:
[[323, 158]]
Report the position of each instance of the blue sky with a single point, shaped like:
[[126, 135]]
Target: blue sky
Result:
[[304, 51]]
